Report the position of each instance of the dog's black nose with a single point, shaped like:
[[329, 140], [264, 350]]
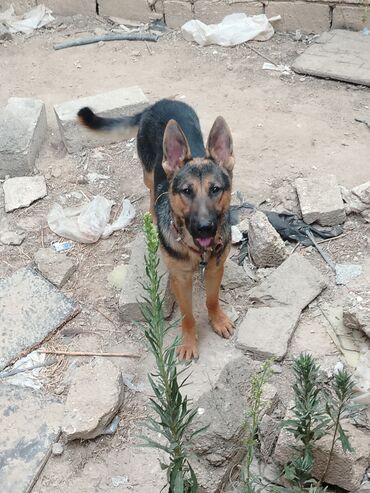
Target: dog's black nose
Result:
[[205, 228]]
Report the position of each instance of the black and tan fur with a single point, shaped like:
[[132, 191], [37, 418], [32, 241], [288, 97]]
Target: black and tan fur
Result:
[[190, 189]]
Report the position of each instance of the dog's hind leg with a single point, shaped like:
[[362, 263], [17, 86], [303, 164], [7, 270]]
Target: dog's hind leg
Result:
[[149, 183]]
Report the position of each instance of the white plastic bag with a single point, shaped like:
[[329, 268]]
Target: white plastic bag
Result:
[[233, 30], [34, 19], [89, 222]]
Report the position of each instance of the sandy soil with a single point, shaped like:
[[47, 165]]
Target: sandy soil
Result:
[[283, 126]]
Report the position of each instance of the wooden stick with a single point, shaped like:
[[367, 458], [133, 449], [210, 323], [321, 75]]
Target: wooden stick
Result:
[[88, 353], [106, 37]]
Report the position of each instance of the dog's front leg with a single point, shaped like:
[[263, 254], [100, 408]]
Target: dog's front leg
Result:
[[182, 287], [220, 322]]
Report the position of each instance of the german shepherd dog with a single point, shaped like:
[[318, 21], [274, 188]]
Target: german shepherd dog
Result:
[[190, 190]]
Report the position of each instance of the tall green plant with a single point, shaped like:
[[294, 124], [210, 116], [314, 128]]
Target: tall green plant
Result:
[[173, 414]]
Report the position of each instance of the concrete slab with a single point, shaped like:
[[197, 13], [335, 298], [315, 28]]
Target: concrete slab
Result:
[[338, 54], [125, 101], [31, 308], [29, 427], [22, 191]]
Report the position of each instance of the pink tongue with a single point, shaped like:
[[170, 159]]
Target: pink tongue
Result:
[[205, 242]]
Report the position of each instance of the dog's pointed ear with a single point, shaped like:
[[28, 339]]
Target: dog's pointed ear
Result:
[[176, 150], [220, 144]]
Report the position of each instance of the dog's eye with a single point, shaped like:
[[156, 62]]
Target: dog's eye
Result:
[[187, 191], [214, 189]]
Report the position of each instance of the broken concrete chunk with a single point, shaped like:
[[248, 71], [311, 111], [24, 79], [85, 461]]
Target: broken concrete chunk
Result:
[[22, 131], [55, 267], [23, 191], [266, 331], [320, 200], [31, 308], [296, 282], [268, 432], [235, 276], [346, 470], [132, 291], [266, 247], [126, 101], [9, 237], [30, 423], [356, 311], [94, 398]]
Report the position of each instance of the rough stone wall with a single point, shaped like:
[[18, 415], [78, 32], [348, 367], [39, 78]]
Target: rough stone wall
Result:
[[309, 16]]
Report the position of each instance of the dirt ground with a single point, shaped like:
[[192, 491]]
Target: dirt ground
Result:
[[283, 126]]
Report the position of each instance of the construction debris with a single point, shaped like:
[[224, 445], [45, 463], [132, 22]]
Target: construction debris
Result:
[[356, 311], [266, 247], [55, 267], [23, 191]]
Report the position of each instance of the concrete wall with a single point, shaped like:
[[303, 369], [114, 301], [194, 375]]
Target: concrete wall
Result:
[[310, 16]]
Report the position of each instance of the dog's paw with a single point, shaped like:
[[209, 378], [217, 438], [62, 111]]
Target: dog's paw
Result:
[[221, 324], [188, 351]]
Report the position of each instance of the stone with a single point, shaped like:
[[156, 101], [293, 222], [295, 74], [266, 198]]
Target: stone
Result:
[[320, 200], [56, 267], [339, 55], [31, 308], [356, 311], [267, 331], [132, 290], [30, 424], [57, 449], [7, 235], [235, 276], [361, 375], [72, 7], [5, 35], [265, 245], [211, 12], [23, 191], [125, 101], [23, 129], [351, 17], [296, 282], [270, 398], [136, 11], [307, 17], [177, 12], [346, 470], [94, 398], [268, 432]]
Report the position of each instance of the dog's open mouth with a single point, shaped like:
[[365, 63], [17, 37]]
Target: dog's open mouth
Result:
[[205, 242]]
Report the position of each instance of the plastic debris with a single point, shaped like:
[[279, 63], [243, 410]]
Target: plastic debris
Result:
[[35, 18], [233, 30], [112, 427], [119, 480], [62, 246], [26, 371], [89, 222], [127, 380], [276, 68]]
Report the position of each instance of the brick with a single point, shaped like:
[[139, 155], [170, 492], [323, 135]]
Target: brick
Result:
[[23, 129], [354, 18], [266, 331], [296, 282], [177, 12], [135, 10], [212, 12], [22, 191], [125, 101], [56, 267], [307, 17], [71, 7], [320, 200], [266, 247], [132, 289]]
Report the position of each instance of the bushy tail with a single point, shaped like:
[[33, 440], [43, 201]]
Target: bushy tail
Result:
[[125, 125]]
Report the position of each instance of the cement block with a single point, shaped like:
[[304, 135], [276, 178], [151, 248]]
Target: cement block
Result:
[[31, 308], [29, 426], [320, 200], [266, 332], [71, 7], [177, 12], [56, 267], [296, 282], [125, 101], [137, 10], [132, 290], [212, 12], [307, 17], [354, 18], [23, 129], [23, 191]]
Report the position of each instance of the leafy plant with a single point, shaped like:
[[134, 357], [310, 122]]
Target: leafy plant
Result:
[[171, 408], [248, 484]]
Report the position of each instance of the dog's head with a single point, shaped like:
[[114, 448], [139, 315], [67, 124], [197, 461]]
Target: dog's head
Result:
[[200, 188]]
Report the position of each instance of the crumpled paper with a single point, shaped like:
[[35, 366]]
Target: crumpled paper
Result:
[[234, 29], [35, 18], [89, 222]]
